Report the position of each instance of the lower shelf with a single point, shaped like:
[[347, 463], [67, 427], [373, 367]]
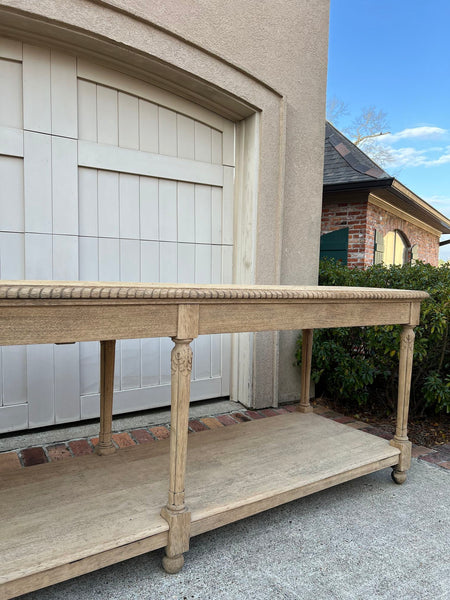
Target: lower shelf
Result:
[[60, 520]]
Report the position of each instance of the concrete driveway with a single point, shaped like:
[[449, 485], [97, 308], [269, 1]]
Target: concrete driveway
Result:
[[363, 540]]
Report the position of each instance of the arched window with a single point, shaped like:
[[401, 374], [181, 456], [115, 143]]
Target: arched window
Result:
[[395, 248]]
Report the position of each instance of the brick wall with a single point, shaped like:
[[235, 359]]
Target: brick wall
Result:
[[427, 243], [363, 219], [336, 215]]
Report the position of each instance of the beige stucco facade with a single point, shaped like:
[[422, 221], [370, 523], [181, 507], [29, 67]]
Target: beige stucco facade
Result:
[[261, 64]]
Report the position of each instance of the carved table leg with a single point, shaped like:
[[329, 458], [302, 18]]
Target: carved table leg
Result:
[[400, 440], [107, 355], [176, 512], [307, 343]]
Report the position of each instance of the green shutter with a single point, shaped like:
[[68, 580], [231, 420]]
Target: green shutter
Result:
[[335, 245], [379, 248]]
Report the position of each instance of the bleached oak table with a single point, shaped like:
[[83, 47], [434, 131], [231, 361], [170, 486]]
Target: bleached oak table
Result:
[[62, 519]]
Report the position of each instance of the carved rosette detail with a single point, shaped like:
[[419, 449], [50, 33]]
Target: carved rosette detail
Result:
[[181, 359], [407, 340]]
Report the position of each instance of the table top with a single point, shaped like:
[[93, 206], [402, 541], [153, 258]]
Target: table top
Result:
[[28, 290]]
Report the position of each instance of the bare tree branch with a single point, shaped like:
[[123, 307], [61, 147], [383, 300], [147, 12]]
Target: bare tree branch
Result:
[[364, 130], [336, 110]]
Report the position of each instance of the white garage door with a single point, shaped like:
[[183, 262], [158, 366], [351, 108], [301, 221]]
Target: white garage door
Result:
[[106, 177]]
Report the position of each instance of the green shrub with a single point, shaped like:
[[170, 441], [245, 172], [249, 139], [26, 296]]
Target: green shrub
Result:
[[361, 364]]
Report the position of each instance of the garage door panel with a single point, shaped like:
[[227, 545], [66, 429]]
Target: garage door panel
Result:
[[67, 383], [167, 120], [10, 49], [88, 258], [130, 364], [87, 111], [63, 90], [111, 158], [40, 384], [150, 362], [12, 213], [108, 204], [186, 212], [65, 258], [87, 202], [12, 255], [149, 208], [11, 141], [36, 89], [90, 71], [109, 259], [202, 357], [130, 260], [128, 121], [216, 215], [216, 147], [11, 111], [13, 418], [89, 368], [186, 262], [216, 264], [120, 181], [129, 201], [202, 214], [38, 256], [148, 127], [149, 261], [107, 111], [14, 369], [203, 142], [203, 263], [64, 177], [168, 262], [166, 346], [185, 137], [167, 210], [38, 182]]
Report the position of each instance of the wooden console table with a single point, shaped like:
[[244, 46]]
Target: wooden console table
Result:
[[60, 520]]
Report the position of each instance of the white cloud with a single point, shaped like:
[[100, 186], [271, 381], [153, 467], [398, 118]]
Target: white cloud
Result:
[[440, 203], [423, 132], [409, 156], [438, 199]]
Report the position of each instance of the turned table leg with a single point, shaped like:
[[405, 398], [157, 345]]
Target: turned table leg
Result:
[[400, 440], [107, 355], [307, 343], [176, 513]]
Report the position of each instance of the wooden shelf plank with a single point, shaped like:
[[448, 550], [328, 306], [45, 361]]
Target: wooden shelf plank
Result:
[[97, 507]]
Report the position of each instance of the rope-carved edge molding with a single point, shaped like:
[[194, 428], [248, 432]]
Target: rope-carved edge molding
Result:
[[74, 292]]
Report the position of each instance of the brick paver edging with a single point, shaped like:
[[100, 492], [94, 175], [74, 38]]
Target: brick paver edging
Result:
[[27, 457]]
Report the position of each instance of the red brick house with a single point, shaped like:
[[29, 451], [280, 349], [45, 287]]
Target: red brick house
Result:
[[368, 216]]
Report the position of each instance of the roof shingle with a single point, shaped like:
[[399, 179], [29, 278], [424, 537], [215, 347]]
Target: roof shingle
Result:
[[346, 163]]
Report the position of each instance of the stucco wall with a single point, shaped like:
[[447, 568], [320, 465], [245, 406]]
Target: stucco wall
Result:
[[234, 57]]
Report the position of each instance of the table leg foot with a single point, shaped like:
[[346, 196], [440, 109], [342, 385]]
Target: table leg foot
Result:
[[104, 450], [173, 564], [398, 476]]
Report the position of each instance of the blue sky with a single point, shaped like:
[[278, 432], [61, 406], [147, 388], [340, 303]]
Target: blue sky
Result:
[[395, 55]]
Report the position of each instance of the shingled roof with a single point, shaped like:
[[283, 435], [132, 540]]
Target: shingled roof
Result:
[[348, 169], [346, 164]]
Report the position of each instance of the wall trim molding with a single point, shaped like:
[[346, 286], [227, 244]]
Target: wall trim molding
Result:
[[397, 212]]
